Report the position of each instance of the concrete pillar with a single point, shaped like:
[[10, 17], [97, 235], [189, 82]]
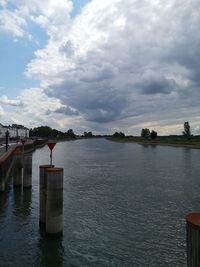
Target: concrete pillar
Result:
[[43, 193], [193, 239], [27, 170], [54, 204], [2, 178], [17, 177], [17, 170], [3, 201]]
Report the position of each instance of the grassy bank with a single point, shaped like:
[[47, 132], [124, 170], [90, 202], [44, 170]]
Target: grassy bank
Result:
[[194, 142]]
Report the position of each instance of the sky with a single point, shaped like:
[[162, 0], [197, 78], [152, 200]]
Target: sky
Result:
[[101, 66]]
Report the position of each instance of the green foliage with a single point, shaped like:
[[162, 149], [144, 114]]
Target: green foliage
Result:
[[48, 132], [42, 131], [153, 134], [145, 133], [119, 135], [70, 133], [88, 134], [187, 132]]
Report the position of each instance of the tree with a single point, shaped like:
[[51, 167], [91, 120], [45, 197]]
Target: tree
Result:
[[145, 133], [88, 134], [119, 135], [153, 134], [70, 133], [42, 131], [116, 134], [187, 132]]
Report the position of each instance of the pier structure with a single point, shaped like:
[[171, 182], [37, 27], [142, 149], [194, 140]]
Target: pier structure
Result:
[[17, 163], [17, 168], [43, 194], [14, 163], [193, 239], [51, 199], [6, 165], [27, 170]]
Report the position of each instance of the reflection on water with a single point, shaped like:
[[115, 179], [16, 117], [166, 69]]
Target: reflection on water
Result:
[[51, 251], [124, 205], [3, 200], [22, 201]]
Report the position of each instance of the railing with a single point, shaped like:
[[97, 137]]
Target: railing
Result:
[[6, 160]]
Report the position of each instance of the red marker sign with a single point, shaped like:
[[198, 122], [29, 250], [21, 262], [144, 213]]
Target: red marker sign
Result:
[[23, 141], [51, 146]]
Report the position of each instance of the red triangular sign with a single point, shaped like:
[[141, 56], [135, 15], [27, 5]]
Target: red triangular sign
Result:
[[51, 145], [23, 141]]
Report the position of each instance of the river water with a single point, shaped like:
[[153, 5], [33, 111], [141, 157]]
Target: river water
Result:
[[124, 205]]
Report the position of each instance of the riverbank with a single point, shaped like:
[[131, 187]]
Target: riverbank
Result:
[[161, 141]]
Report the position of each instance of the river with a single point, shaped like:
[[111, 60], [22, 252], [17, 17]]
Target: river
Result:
[[124, 205]]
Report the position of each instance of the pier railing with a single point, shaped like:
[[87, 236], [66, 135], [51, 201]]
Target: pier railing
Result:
[[7, 162]]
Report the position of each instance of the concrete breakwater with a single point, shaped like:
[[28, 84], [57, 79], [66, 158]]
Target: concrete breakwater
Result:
[[13, 160]]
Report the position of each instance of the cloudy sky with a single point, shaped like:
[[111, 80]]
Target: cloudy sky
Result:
[[104, 66]]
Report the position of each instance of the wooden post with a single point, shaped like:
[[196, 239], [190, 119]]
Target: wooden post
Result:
[[193, 239], [54, 204]]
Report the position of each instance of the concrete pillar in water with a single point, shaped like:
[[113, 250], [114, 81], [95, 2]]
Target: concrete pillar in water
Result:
[[2, 178], [43, 193], [193, 239], [17, 170], [27, 170], [54, 204]]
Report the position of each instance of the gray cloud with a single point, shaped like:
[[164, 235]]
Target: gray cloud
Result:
[[157, 85], [67, 49], [67, 111], [127, 60]]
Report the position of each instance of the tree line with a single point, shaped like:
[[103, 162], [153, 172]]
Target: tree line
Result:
[[48, 132], [147, 134]]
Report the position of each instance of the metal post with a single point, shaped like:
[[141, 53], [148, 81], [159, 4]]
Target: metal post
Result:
[[51, 146], [51, 158], [7, 135]]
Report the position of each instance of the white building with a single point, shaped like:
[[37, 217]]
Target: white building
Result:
[[3, 130], [14, 131]]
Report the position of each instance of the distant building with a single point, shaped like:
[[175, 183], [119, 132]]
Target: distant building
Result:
[[15, 131]]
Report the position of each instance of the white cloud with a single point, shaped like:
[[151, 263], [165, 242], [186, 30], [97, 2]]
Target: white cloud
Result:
[[32, 108], [118, 62], [2, 112], [4, 100], [12, 22], [121, 59], [3, 3], [49, 14]]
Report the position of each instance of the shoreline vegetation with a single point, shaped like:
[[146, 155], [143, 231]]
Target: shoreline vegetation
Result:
[[176, 141], [147, 137]]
